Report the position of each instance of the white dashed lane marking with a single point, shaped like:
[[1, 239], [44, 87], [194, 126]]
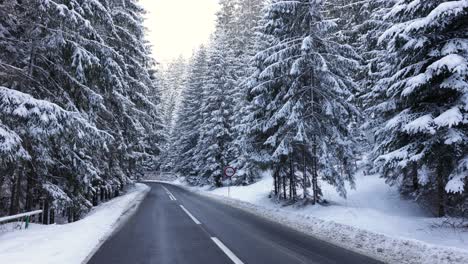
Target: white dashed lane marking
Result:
[[227, 251], [190, 215]]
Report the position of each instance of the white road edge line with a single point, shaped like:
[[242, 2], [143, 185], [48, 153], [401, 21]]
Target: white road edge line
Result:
[[227, 251], [190, 215]]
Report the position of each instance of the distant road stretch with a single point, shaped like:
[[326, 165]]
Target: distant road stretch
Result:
[[175, 226]]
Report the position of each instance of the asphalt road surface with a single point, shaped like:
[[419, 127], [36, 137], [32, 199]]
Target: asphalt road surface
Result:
[[175, 226]]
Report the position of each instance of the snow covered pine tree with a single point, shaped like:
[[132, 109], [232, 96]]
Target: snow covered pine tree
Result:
[[424, 102], [248, 15], [75, 120], [300, 100], [189, 118]]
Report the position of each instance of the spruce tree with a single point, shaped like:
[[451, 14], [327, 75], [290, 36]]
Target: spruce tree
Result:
[[189, 117], [300, 99], [423, 101], [74, 57], [173, 82], [248, 15], [213, 149]]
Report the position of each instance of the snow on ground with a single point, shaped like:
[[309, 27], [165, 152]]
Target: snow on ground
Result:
[[70, 243], [373, 220], [158, 176]]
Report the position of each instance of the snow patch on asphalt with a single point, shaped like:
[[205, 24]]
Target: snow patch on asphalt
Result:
[[71, 243]]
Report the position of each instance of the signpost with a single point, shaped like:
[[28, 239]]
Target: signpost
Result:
[[229, 172]]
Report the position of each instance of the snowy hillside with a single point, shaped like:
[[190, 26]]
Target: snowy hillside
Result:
[[373, 206]]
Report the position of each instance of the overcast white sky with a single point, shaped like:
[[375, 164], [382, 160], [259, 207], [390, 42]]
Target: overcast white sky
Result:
[[177, 27]]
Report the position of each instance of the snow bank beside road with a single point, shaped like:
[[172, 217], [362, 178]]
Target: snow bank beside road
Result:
[[373, 221], [373, 206], [379, 246], [71, 243]]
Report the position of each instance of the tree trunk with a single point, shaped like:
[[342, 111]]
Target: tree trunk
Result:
[[69, 215], [275, 182], [28, 205], [292, 181], [95, 199], [315, 173], [291, 184], [304, 172], [45, 214], [440, 190], [102, 195], [7, 171], [76, 215], [13, 210], [284, 187], [16, 194], [415, 176], [30, 187], [52, 216], [19, 192]]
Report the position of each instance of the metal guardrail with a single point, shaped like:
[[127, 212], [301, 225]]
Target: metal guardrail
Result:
[[24, 217]]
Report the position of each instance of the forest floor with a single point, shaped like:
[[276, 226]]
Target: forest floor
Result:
[[373, 211], [71, 243]]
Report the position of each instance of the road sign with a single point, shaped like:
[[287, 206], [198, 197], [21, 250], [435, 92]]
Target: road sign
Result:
[[229, 172]]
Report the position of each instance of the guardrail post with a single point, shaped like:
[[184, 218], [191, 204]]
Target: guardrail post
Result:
[[26, 223]]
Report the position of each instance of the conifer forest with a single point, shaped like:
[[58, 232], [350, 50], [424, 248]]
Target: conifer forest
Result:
[[309, 92]]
